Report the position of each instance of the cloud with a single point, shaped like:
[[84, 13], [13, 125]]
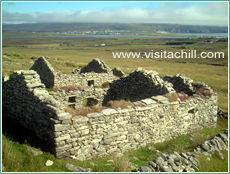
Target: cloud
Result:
[[194, 14]]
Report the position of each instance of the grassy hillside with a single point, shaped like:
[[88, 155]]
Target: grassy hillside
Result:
[[68, 53]]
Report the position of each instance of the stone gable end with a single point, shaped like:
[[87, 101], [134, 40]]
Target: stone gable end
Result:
[[45, 71]]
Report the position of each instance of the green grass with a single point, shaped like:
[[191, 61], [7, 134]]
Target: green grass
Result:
[[82, 50], [78, 53], [217, 164], [17, 158]]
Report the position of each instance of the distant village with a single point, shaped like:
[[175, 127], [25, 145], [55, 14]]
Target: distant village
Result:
[[105, 32], [92, 32]]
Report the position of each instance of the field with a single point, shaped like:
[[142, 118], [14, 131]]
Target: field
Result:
[[68, 53]]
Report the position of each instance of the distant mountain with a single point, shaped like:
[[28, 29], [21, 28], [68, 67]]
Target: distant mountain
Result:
[[152, 28]]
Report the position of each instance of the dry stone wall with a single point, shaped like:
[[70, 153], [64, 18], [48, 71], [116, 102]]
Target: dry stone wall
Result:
[[45, 71], [26, 100], [152, 119], [79, 98], [182, 83], [94, 74], [119, 130], [84, 80], [138, 85], [97, 66]]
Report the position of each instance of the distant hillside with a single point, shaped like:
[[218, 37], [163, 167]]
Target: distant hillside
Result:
[[152, 28]]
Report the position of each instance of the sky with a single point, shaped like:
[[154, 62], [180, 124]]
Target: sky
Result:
[[191, 13]]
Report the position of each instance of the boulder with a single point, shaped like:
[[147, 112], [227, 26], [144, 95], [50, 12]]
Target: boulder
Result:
[[74, 168], [49, 163]]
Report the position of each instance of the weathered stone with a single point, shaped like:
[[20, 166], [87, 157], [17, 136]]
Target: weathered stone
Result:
[[160, 99], [151, 163], [146, 169], [205, 147], [117, 72], [35, 152], [112, 134], [224, 137], [61, 138], [184, 155], [109, 111], [95, 114], [132, 166], [80, 119], [152, 148], [184, 162], [160, 161], [148, 101], [120, 138], [108, 141], [38, 92], [74, 168], [60, 127], [166, 169], [63, 148], [221, 155], [138, 85], [97, 66], [84, 132], [49, 163], [181, 83], [45, 71], [76, 70], [64, 116]]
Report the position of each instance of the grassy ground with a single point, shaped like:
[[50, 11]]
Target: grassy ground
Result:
[[16, 156], [78, 52], [217, 164]]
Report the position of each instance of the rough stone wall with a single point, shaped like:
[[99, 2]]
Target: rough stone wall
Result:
[[83, 79], [119, 130], [78, 98], [185, 84], [117, 72], [138, 85], [45, 71], [96, 71], [26, 100], [97, 66]]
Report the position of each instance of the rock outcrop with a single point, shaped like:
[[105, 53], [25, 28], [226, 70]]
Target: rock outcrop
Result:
[[189, 161]]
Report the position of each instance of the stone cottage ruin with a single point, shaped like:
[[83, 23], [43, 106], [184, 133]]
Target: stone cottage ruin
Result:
[[37, 99]]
